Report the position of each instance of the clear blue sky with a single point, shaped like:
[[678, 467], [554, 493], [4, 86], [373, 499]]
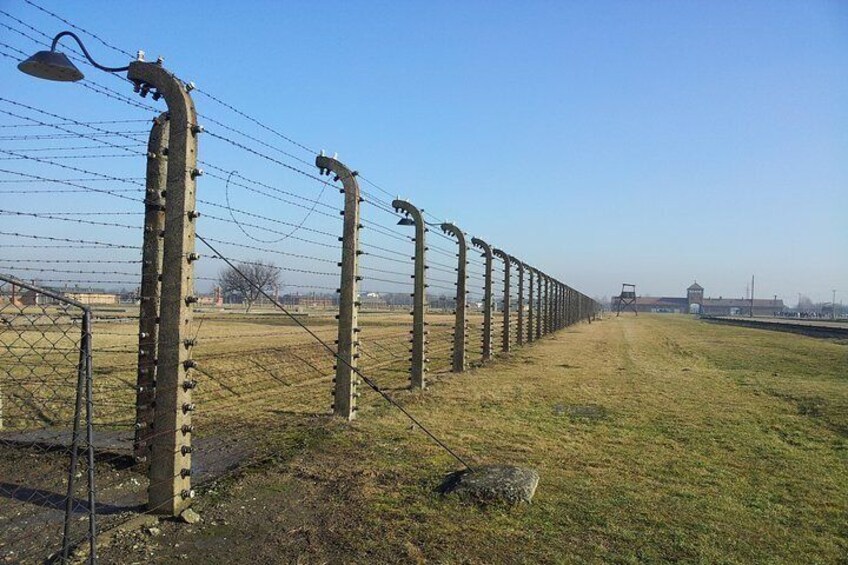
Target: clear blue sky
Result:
[[646, 142]]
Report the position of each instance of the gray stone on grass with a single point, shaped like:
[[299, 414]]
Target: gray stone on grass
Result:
[[189, 516], [493, 483]]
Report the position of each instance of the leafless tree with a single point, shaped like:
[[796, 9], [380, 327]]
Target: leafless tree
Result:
[[248, 280]]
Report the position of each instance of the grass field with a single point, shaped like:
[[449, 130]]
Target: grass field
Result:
[[657, 438]]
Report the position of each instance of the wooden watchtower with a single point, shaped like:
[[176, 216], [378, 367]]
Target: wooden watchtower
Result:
[[627, 299]]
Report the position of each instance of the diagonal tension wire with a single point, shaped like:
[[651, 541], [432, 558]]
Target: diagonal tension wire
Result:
[[323, 343]]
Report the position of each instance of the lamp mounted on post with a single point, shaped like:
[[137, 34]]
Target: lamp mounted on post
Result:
[[54, 65]]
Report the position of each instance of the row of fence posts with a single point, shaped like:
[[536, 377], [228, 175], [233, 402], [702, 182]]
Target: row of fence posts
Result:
[[165, 341]]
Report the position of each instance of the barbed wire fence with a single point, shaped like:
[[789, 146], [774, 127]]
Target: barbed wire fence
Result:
[[193, 377]]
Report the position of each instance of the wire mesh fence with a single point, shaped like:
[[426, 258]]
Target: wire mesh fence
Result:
[[46, 448], [84, 204]]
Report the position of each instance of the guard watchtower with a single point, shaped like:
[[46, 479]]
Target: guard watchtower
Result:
[[627, 299]]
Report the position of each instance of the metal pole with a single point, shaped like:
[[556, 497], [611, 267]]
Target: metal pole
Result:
[[169, 491], [459, 328], [487, 296], [75, 441], [419, 343], [519, 330], [345, 394], [89, 436], [151, 284]]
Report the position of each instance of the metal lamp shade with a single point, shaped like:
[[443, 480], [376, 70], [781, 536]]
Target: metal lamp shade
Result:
[[51, 65], [406, 222]]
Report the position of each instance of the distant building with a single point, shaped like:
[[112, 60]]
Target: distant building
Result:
[[83, 296], [94, 297], [309, 300], [695, 303]]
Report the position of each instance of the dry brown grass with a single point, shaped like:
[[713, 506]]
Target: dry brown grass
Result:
[[657, 438]]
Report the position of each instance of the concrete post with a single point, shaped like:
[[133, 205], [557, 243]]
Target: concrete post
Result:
[[151, 284], [487, 297], [169, 491], [543, 303], [553, 306], [557, 288], [459, 328], [419, 344], [580, 308], [519, 330], [560, 297], [570, 306], [531, 332], [344, 391], [539, 276], [506, 298]]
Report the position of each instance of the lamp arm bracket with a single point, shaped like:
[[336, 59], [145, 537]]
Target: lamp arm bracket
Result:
[[85, 52]]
